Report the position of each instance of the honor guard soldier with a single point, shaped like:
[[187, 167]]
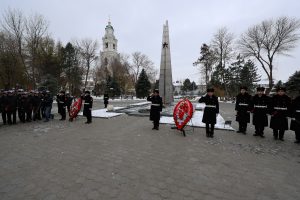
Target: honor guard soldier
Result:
[[295, 114], [88, 104], [156, 108], [11, 107], [105, 98], [69, 100], [242, 106], [36, 104], [2, 105], [260, 109], [61, 103], [280, 104], [211, 111]]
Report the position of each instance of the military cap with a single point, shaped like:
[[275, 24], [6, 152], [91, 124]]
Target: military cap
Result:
[[280, 88], [156, 91], [87, 92], [210, 90], [260, 88]]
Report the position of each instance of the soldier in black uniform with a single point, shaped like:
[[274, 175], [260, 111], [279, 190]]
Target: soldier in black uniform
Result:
[[69, 100], [242, 106], [36, 104], [211, 111], [3, 106], [295, 114], [88, 104], [280, 104], [22, 104], [156, 108], [260, 109], [61, 103], [105, 100], [11, 107]]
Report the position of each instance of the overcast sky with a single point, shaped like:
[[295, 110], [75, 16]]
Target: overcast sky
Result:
[[138, 25]]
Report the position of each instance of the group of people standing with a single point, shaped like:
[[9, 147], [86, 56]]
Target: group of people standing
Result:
[[279, 107], [29, 106]]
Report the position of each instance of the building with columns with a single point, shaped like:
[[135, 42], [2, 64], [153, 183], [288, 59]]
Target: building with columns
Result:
[[109, 51]]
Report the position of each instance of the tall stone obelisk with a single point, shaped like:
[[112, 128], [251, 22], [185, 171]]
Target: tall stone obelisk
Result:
[[165, 76]]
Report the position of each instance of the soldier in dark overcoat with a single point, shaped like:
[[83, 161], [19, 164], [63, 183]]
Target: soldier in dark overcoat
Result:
[[260, 108], [211, 111], [61, 104], [156, 108], [242, 106], [88, 105], [295, 114], [280, 105], [11, 107], [105, 98]]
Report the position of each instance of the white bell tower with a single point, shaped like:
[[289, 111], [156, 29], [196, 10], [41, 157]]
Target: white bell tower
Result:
[[109, 47]]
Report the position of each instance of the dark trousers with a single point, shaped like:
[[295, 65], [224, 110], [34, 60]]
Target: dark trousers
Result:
[[14, 114], [156, 123], [63, 112], [259, 130], [4, 116], [88, 115], [28, 115], [21, 114], [47, 113], [242, 126], [209, 129], [105, 105], [297, 134], [277, 133]]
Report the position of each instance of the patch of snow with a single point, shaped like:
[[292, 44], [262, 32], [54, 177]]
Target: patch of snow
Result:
[[196, 121], [102, 113]]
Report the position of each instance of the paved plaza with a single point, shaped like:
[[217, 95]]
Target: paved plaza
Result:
[[122, 158]]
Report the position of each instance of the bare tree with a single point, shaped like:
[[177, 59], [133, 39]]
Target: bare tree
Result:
[[141, 61], [269, 39], [88, 49], [222, 45], [13, 23], [36, 31]]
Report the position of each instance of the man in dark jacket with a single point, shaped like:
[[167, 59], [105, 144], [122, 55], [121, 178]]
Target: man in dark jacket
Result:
[[211, 111], [88, 105], [295, 114], [36, 104], [242, 106], [69, 100], [156, 108], [105, 98], [11, 107], [47, 103], [61, 104], [280, 104], [260, 108]]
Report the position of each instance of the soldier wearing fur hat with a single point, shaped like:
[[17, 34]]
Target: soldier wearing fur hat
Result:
[[3, 105], [242, 106], [260, 109], [11, 107], [87, 108], [280, 105], [61, 103], [211, 111], [156, 108], [295, 114]]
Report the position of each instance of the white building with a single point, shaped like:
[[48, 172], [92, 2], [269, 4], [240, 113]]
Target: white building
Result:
[[109, 48]]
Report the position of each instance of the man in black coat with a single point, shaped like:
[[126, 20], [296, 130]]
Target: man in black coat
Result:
[[47, 103], [260, 109], [295, 114], [211, 111], [280, 105], [87, 108], [61, 104], [242, 106], [156, 108], [105, 98], [11, 107], [36, 104]]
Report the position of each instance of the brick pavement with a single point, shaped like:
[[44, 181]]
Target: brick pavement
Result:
[[122, 158]]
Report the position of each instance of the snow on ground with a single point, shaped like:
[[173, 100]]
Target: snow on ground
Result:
[[196, 121], [102, 113]]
